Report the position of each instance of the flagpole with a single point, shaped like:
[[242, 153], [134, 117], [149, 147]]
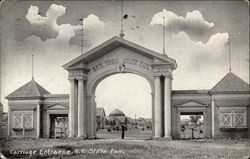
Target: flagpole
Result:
[[229, 51], [32, 66], [82, 36], [163, 30], [121, 34]]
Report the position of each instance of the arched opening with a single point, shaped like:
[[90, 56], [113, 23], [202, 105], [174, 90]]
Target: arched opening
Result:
[[127, 101]]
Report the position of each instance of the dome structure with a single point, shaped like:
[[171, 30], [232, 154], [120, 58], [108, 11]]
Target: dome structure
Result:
[[116, 113]]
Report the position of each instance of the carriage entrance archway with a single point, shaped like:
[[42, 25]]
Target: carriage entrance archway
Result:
[[126, 100], [115, 56]]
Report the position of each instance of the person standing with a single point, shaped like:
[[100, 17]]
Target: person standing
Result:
[[123, 131]]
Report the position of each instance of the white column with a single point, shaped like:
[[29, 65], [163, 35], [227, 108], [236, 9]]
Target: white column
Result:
[[48, 123], [153, 114], [167, 107], [38, 120], [213, 124], [88, 115], [158, 108], [81, 108], [178, 123], [95, 126], [92, 117], [205, 124], [71, 117], [9, 120]]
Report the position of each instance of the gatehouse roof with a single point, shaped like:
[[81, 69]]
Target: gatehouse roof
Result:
[[231, 83], [112, 44], [29, 90]]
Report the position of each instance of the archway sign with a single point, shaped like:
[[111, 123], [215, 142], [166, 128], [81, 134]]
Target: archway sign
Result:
[[115, 56]]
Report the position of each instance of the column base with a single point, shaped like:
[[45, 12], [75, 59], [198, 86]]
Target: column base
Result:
[[167, 138], [162, 138], [157, 138], [71, 137], [91, 137], [81, 137]]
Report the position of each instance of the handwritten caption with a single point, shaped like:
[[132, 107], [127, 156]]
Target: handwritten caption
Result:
[[63, 152]]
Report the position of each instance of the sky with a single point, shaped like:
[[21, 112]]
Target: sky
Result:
[[197, 35]]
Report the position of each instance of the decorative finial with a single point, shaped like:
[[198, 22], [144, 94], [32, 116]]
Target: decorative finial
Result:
[[32, 66], [163, 36], [121, 34]]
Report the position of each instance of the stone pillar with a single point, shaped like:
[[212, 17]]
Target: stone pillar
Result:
[[178, 123], [213, 118], [167, 106], [153, 114], [95, 126], [81, 109], [88, 114], [91, 120], [205, 124], [9, 121], [162, 100], [72, 112], [38, 110], [158, 108], [76, 107]]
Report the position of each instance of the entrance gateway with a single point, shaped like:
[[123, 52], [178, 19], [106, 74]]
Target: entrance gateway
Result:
[[115, 56], [35, 112]]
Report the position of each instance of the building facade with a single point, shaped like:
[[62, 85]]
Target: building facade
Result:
[[32, 110]]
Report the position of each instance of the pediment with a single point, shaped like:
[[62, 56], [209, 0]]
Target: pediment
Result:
[[78, 65], [192, 104], [111, 44], [56, 106]]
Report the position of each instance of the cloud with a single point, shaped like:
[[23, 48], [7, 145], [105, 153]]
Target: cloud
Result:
[[212, 50], [197, 49], [34, 17], [49, 31], [92, 22], [193, 24], [197, 59], [46, 27], [93, 29]]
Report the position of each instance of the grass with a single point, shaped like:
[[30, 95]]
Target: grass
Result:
[[130, 148]]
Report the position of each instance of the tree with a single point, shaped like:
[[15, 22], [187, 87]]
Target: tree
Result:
[[195, 118]]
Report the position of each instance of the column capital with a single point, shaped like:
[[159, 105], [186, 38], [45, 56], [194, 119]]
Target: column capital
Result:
[[162, 70], [81, 78], [168, 76], [157, 75], [77, 74]]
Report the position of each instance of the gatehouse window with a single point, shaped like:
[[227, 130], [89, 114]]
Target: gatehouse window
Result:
[[22, 119], [233, 117]]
